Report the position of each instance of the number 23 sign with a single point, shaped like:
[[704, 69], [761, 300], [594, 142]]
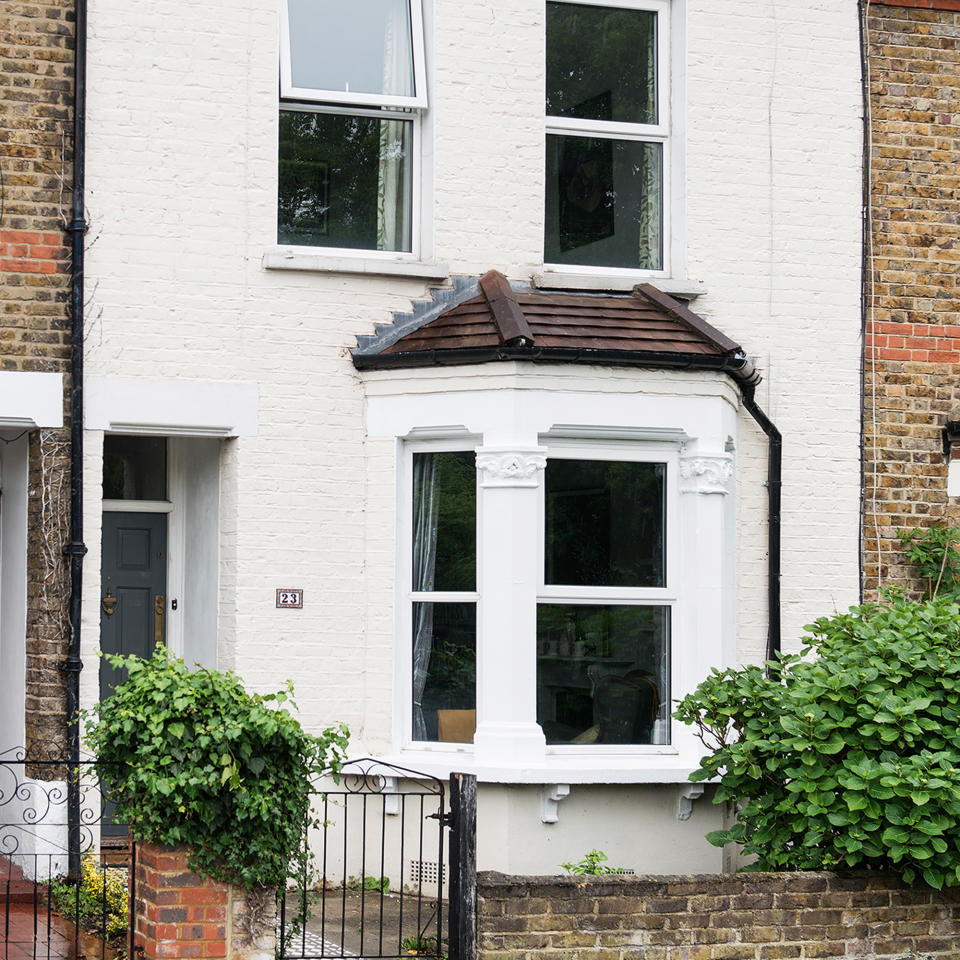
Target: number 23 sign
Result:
[[291, 599]]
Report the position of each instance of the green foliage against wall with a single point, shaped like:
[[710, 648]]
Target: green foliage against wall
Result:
[[190, 757], [933, 551], [850, 759]]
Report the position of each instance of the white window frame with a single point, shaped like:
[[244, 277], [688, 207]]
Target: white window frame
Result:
[[379, 106], [418, 101], [634, 451], [669, 596], [667, 87], [408, 596]]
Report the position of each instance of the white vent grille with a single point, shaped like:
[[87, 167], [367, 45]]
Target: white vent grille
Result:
[[424, 871]]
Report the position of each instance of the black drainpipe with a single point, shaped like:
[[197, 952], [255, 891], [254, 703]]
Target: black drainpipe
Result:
[[774, 483], [76, 549]]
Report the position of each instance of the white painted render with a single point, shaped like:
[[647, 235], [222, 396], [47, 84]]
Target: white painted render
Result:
[[30, 400], [182, 179]]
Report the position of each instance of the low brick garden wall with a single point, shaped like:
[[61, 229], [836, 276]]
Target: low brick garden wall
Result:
[[181, 915], [752, 916]]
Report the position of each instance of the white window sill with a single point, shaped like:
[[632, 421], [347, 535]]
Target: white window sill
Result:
[[649, 768], [291, 258], [616, 283]]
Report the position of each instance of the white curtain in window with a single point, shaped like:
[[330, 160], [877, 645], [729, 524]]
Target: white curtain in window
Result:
[[425, 517], [649, 254], [393, 202], [393, 205]]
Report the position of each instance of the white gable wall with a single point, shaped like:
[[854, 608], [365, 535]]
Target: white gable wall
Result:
[[182, 205]]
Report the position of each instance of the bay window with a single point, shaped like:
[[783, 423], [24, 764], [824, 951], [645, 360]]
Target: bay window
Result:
[[565, 569], [607, 124], [603, 596], [352, 86]]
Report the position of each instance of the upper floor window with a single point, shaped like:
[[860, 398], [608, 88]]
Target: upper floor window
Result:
[[352, 85], [607, 116]]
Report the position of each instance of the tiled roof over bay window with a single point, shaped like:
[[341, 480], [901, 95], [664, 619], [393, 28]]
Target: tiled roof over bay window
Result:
[[498, 322]]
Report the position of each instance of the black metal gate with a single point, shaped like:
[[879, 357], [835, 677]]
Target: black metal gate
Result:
[[391, 871], [63, 892]]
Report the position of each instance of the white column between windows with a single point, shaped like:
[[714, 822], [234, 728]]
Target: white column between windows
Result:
[[706, 480], [507, 728]]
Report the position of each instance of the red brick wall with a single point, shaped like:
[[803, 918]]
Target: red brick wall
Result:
[[912, 369], [36, 115], [179, 914]]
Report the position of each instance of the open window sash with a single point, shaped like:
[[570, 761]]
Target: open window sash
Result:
[[369, 53]]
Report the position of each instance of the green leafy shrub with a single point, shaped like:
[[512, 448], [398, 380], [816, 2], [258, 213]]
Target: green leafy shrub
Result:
[[380, 884], [190, 757], [849, 759], [593, 863], [98, 901], [933, 551]]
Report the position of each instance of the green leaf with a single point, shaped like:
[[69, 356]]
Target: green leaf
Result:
[[718, 838]]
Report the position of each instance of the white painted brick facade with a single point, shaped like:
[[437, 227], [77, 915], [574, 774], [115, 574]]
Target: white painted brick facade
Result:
[[182, 197]]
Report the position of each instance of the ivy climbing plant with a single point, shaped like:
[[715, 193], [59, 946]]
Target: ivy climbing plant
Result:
[[190, 757]]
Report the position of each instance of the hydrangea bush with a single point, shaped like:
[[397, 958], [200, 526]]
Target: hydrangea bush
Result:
[[847, 755]]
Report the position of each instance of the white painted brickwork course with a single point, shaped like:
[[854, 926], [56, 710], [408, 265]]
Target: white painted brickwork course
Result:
[[182, 200]]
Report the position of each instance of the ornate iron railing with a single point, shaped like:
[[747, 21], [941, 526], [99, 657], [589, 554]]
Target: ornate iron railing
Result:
[[65, 888]]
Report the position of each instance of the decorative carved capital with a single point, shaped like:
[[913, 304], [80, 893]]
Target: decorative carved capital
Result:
[[510, 468], [711, 474]]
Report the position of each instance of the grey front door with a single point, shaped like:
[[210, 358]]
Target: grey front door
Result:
[[133, 588]]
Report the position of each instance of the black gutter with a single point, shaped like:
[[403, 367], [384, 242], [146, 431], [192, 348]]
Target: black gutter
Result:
[[76, 549], [733, 365], [737, 365], [774, 484]]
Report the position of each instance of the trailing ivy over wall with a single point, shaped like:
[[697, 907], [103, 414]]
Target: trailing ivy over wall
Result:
[[190, 757], [850, 759]]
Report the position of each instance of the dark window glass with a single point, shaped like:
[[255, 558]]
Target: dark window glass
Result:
[[134, 468], [444, 521], [601, 63], [605, 523], [444, 672], [604, 201], [603, 674], [344, 181]]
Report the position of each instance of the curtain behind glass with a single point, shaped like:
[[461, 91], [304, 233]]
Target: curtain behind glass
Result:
[[650, 252], [425, 518], [393, 188], [393, 202]]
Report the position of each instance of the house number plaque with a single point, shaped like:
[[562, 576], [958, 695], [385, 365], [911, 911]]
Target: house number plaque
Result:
[[290, 598]]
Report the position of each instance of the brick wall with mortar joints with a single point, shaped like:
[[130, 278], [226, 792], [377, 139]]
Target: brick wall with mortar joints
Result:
[[180, 915], [709, 917], [36, 109], [913, 338]]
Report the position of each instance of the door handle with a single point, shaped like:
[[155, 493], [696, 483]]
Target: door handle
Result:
[[109, 603], [158, 605]]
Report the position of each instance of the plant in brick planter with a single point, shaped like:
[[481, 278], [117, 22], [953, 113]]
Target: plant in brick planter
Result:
[[848, 755], [190, 757]]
